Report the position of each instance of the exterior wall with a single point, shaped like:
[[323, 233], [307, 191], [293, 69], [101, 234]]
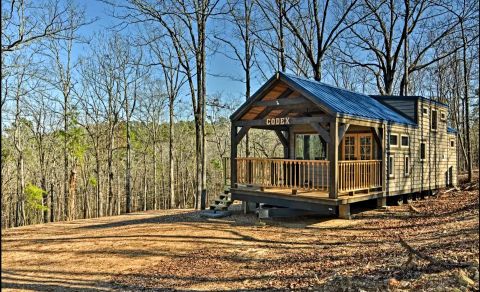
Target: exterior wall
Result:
[[431, 173], [406, 106]]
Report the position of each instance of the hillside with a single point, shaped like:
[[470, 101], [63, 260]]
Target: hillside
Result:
[[429, 245]]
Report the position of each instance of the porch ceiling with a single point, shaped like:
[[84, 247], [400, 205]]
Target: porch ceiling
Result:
[[280, 101]]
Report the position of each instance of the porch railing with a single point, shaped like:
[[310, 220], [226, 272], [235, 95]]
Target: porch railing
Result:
[[308, 175], [359, 174]]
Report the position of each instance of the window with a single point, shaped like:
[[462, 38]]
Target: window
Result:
[[443, 116], [452, 143], [393, 140], [434, 122], [425, 111], [310, 147], [406, 165], [391, 166], [405, 141], [422, 151]]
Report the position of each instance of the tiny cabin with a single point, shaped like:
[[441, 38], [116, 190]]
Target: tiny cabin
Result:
[[340, 147]]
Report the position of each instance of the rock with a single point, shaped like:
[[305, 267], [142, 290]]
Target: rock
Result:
[[392, 282], [463, 279], [260, 223], [404, 284]]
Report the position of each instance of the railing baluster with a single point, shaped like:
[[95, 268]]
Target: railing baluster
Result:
[[307, 175]]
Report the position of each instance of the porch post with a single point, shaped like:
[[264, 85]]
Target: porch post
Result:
[[286, 149], [333, 158], [233, 156], [384, 144]]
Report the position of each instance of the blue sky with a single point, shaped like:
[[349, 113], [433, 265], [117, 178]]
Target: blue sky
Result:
[[217, 64]]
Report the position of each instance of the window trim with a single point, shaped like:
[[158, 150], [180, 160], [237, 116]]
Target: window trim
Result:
[[443, 116], [425, 154], [452, 143], [425, 111], [401, 144], [389, 139], [406, 168], [436, 120], [391, 170]]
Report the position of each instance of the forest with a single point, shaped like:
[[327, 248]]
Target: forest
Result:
[[111, 107]]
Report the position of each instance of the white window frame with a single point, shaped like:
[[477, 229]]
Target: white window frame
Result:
[[391, 165], [394, 145], [405, 167], [431, 121], [403, 146], [443, 116]]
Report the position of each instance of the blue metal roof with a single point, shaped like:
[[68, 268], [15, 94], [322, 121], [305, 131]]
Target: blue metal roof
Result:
[[347, 102], [451, 130]]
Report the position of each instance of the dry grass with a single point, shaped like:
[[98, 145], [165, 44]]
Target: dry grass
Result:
[[168, 250]]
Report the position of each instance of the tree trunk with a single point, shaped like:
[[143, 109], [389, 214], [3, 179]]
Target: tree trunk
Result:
[[52, 203], [155, 189], [171, 153], [281, 41], [467, 105], [66, 215], [110, 174], [98, 186], [404, 82], [145, 189], [72, 189], [128, 193]]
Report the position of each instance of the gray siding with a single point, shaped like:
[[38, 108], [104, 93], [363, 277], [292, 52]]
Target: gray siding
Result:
[[406, 106], [433, 172]]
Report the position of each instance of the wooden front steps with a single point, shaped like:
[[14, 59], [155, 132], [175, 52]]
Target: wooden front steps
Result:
[[222, 202]]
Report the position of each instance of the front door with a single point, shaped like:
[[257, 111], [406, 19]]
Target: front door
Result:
[[357, 147]]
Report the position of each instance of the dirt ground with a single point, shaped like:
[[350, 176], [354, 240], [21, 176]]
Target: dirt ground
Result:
[[432, 244]]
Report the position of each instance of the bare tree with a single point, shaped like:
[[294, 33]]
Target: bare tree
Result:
[[28, 22], [185, 23], [383, 33], [240, 17], [307, 21]]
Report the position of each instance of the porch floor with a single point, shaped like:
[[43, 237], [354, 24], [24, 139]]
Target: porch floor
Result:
[[321, 197]]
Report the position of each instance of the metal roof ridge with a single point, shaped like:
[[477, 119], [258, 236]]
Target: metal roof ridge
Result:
[[325, 84]]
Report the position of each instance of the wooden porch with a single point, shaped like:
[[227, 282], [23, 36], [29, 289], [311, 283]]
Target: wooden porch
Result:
[[307, 178]]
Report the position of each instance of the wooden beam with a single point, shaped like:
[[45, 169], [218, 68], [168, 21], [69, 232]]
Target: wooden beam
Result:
[[282, 102], [233, 156], [266, 111], [242, 134], [321, 131], [282, 138], [359, 122], [341, 131], [333, 158], [384, 157], [376, 135], [281, 128], [269, 85], [286, 121]]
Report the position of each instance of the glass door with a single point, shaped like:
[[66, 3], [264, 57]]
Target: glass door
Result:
[[357, 147], [365, 147]]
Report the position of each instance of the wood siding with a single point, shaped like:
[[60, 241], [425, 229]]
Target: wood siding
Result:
[[432, 172]]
